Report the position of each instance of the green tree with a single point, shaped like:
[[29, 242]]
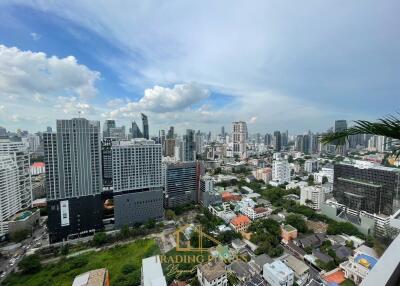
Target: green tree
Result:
[[170, 214], [99, 238], [310, 180], [128, 268], [19, 235], [297, 221], [125, 231], [151, 223], [64, 249], [30, 264], [388, 126]]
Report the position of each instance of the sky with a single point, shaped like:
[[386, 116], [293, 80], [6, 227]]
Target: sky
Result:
[[278, 65]]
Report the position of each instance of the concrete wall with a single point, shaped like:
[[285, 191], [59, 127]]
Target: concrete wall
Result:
[[138, 207]]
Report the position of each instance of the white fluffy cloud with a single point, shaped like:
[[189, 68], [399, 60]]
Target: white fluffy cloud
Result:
[[26, 73], [163, 99]]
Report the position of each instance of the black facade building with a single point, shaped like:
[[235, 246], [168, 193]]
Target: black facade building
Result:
[[106, 162], [366, 187], [74, 217]]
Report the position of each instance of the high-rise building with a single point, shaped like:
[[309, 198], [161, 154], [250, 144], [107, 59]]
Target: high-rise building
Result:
[[277, 141], [145, 123], [137, 181], [135, 131], [20, 155], [285, 139], [161, 140], [268, 139], [188, 146], [280, 171], [170, 147], [223, 131], [239, 135], [108, 124], [3, 131], [181, 183], [171, 134], [106, 162], [73, 178], [341, 125], [199, 138], [364, 186], [312, 196], [10, 201]]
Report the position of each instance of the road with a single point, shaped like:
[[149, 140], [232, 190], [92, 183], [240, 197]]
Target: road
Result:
[[39, 238]]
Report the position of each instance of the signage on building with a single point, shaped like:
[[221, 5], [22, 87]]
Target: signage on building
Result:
[[64, 213]]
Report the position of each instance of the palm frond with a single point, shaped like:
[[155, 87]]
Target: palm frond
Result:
[[388, 126]]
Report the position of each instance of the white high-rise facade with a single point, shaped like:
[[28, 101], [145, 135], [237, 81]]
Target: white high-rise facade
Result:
[[239, 138], [136, 165], [20, 155], [280, 171], [312, 196], [10, 202]]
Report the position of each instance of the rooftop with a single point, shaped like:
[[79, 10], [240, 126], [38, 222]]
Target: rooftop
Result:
[[38, 165], [289, 228], [298, 266], [279, 268], [212, 270], [334, 276], [152, 272], [240, 220], [92, 278]]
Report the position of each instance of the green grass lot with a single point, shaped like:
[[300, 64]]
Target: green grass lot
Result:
[[114, 259]]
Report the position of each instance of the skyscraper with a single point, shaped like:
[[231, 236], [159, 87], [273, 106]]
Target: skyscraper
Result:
[[137, 181], [10, 201], [3, 131], [135, 131], [188, 146], [171, 134], [341, 125], [106, 162], [277, 141], [20, 155], [145, 129], [199, 138], [108, 124], [239, 135], [73, 178], [223, 131]]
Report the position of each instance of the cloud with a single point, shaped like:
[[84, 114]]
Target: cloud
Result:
[[24, 73], [253, 119], [163, 99], [72, 106], [35, 36]]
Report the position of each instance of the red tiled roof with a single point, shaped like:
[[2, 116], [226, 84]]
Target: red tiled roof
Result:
[[260, 210], [335, 277], [240, 220]]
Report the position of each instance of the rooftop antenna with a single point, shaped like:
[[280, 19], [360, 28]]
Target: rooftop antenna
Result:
[[79, 113]]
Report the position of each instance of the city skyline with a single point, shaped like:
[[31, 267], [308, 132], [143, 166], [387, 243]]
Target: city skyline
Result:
[[260, 64]]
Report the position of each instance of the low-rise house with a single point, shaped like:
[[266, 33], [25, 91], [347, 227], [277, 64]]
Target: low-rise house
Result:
[[319, 255], [358, 267], [288, 233], [255, 213], [312, 240], [238, 244], [98, 277], [241, 270], [240, 223], [278, 274], [257, 263], [301, 270], [256, 281], [342, 252], [212, 273], [297, 250]]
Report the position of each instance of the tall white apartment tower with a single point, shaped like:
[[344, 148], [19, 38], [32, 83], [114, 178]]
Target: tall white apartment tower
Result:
[[280, 171], [20, 155], [137, 181], [239, 135], [10, 202]]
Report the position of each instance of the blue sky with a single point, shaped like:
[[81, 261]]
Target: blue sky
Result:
[[199, 64]]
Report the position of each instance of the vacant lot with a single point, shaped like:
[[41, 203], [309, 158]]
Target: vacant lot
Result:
[[123, 263]]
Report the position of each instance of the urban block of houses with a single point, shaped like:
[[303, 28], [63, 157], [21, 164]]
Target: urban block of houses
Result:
[[240, 223], [212, 273], [277, 274], [256, 213]]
